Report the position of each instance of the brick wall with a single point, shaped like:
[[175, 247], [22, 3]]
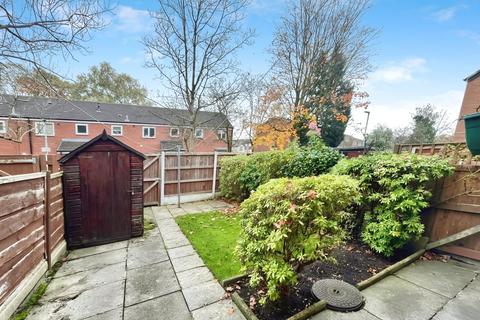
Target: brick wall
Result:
[[471, 101], [132, 136]]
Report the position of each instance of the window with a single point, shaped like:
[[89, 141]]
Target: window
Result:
[[3, 127], [81, 129], [222, 135], [117, 130], [44, 129], [174, 132], [148, 132], [199, 133]]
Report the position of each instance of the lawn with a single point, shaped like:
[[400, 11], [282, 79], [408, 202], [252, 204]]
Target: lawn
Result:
[[214, 236]]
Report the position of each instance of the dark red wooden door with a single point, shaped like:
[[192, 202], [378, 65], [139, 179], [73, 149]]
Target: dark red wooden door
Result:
[[105, 183]]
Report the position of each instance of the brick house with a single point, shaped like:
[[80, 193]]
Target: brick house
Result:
[[470, 104], [34, 125]]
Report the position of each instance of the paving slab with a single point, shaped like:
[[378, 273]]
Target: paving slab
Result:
[[203, 294], [78, 282], [167, 307], [223, 309], [86, 304], [181, 252], [427, 274], [176, 212], [152, 236], [85, 252], [145, 255], [96, 261], [394, 298], [161, 213], [465, 306], [187, 262], [192, 209], [192, 277], [179, 241], [115, 314], [149, 282], [334, 315]]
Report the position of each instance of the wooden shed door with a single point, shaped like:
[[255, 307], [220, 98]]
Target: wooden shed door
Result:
[[105, 183]]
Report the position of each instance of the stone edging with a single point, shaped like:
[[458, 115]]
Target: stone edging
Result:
[[321, 305]]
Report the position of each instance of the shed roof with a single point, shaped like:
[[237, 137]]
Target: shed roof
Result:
[[62, 109], [104, 137], [473, 76]]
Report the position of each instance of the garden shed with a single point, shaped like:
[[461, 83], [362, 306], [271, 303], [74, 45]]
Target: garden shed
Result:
[[103, 192]]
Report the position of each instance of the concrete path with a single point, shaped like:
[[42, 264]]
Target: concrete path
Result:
[[158, 276], [424, 290]]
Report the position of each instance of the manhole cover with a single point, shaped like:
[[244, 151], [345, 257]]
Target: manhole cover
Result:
[[339, 295]]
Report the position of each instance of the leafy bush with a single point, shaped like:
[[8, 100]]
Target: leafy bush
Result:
[[312, 160], [262, 167], [287, 223], [395, 188], [240, 175], [230, 170]]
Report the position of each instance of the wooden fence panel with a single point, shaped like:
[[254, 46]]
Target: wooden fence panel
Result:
[[31, 227], [23, 164], [22, 231], [456, 207], [197, 173]]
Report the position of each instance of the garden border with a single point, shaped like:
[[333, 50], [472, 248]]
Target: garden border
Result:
[[321, 305]]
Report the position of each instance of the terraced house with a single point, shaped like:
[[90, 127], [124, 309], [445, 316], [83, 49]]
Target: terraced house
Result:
[[38, 125]]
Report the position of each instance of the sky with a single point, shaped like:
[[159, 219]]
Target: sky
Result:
[[423, 51]]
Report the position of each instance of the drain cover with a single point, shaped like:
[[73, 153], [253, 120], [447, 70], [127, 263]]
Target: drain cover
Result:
[[339, 295]]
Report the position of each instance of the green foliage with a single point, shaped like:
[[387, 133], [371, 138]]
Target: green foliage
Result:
[[240, 175], [262, 167], [214, 236], [288, 223], [312, 160], [381, 138], [395, 189], [230, 170], [330, 97]]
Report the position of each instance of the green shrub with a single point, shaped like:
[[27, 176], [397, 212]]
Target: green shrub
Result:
[[230, 170], [395, 189], [312, 160], [288, 223], [262, 167]]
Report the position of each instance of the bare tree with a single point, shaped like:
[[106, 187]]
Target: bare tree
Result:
[[313, 30], [31, 31], [193, 48]]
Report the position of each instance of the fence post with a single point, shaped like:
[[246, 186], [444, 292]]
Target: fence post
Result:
[[214, 182], [178, 176], [47, 219], [162, 177], [159, 179]]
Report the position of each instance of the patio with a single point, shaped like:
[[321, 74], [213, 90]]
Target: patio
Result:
[[158, 276]]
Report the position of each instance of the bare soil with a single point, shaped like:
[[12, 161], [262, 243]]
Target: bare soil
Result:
[[355, 263]]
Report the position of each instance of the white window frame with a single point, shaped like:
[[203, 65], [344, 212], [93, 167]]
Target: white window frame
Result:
[[196, 136], [220, 133], [148, 136], [81, 133], [3, 127], [175, 135], [116, 126], [37, 131]]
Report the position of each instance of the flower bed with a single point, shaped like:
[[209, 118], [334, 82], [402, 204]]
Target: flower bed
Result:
[[355, 263]]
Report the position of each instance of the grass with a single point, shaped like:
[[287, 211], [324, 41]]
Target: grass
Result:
[[148, 225], [214, 236]]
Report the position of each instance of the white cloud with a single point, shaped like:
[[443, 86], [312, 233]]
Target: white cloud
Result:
[[128, 19], [399, 72], [446, 13], [397, 112]]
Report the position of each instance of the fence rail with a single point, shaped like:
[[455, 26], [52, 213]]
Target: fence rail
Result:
[[23, 164], [31, 233], [196, 176], [457, 152]]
